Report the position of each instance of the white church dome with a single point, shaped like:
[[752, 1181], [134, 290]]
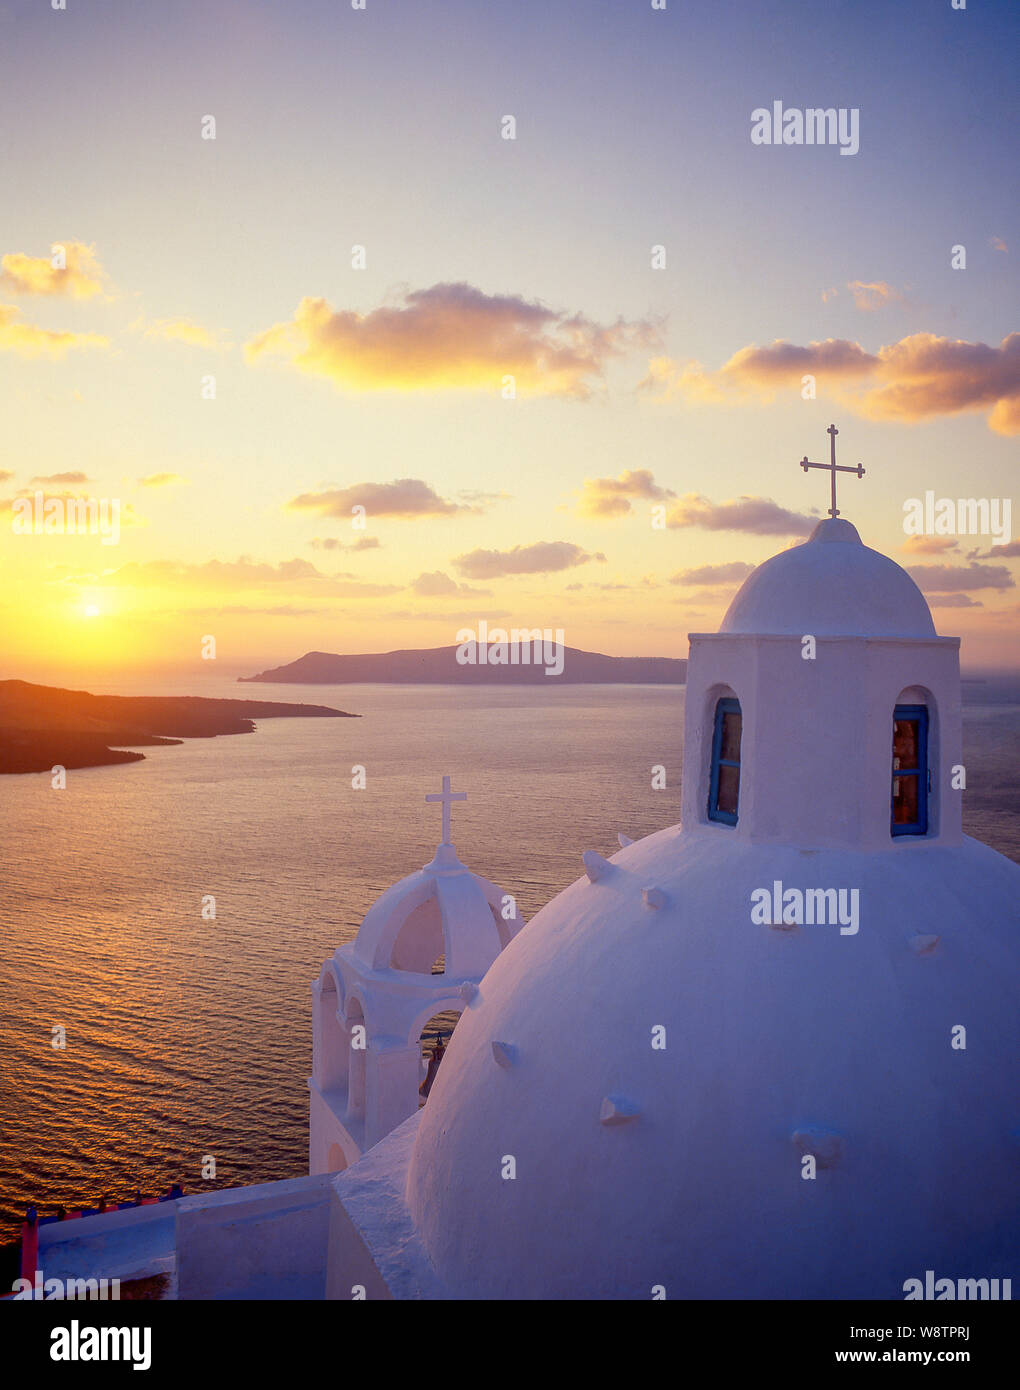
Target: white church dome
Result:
[[662, 1084], [831, 585], [682, 1167]]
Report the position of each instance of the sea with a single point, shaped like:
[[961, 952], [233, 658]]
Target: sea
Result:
[[188, 1038]]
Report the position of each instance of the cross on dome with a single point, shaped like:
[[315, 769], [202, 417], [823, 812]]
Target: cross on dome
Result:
[[446, 796], [832, 467]]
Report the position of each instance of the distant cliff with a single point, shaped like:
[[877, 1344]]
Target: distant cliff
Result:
[[439, 666], [42, 727]]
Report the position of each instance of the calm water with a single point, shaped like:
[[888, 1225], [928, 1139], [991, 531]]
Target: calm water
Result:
[[186, 1037]]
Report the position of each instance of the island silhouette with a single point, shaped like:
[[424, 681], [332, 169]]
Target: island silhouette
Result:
[[42, 727], [440, 666]]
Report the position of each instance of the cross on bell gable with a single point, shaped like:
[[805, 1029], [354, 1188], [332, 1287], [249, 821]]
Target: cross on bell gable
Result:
[[446, 797], [832, 467]]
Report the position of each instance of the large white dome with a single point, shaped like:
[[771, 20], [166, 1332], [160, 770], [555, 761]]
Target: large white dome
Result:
[[832, 585], [835, 1111], [841, 1040]]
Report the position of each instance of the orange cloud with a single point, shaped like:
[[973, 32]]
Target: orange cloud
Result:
[[543, 557], [924, 376], [451, 337], [403, 498], [920, 377], [783, 363], [870, 295], [928, 545], [953, 601], [758, 516], [604, 497], [80, 277], [28, 340], [732, 573], [437, 584], [945, 579], [1009, 551], [690, 380]]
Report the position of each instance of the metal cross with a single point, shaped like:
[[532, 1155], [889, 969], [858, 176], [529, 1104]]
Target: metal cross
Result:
[[832, 467], [446, 796]]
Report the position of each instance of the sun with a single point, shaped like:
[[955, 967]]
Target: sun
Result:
[[91, 610]]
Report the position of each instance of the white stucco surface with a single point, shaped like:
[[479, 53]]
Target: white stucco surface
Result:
[[266, 1241], [769, 1033], [128, 1244], [833, 584]]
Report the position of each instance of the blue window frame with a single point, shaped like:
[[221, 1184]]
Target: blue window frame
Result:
[[724, 786], [909, 814]]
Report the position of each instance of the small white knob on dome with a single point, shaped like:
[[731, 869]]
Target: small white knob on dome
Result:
[[654, 897], [825, 1145], [468, 991], [505, 1054], [595, 866], [624, 840], [616, 1110], [922, 945]]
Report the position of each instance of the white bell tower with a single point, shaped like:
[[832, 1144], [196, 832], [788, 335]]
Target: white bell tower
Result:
[[818, 639], [374, 996]]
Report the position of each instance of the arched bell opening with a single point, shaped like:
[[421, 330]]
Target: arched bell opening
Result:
[[913, 809], [504, 925], [726, 732], [330, 1040], [358, 1041], [433, 1041], [420, 939]]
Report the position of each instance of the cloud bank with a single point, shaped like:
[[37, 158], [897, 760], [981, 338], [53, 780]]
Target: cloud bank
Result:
[[451, 337], [921, 377], [404, 499], [81, 276], [28, 340], [608, 497], [758, 516], [543, 557]]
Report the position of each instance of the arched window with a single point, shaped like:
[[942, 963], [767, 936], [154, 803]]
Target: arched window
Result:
[[433, 1041], [724, 786], [356, 1072], [909, 814]]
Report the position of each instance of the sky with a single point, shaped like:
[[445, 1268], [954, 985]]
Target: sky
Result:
[[212, 357]]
